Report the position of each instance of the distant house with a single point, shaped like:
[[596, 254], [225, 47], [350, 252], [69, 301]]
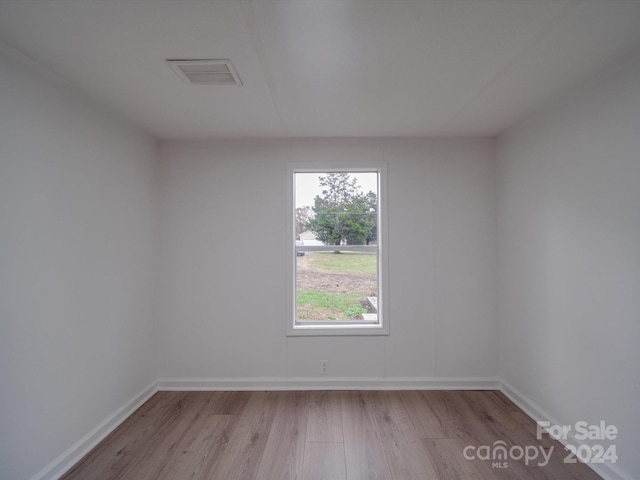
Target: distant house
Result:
[[309, 238]]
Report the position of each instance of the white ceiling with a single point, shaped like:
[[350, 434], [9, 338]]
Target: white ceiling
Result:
[[329, 68]]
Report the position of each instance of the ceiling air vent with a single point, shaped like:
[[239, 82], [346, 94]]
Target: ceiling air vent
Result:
[[206, 72]]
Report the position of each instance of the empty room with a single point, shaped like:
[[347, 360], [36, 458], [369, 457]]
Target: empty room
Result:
[[319, 239]]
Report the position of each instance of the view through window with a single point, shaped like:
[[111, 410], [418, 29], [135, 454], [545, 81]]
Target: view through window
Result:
[[337, 220]]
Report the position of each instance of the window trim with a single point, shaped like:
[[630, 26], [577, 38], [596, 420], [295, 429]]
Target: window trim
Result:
[[339, 328]]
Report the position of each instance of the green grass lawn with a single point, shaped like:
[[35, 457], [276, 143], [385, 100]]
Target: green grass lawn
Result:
[[315, 304], [345, 262]]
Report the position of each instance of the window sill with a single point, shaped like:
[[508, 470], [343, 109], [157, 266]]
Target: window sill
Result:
[[349, 329]]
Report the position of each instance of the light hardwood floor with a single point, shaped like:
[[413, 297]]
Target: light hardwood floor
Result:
[[324, 435]]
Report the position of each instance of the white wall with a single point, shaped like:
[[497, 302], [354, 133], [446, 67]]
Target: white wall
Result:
[[77, 232], [569, 256], [223, 299]]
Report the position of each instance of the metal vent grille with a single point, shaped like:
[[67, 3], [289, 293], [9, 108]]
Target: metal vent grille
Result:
[[206, 72]]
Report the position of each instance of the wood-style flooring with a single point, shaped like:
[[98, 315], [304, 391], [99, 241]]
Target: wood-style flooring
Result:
[[324, 435]]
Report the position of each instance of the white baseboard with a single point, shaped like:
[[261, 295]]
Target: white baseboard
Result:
[[68, 459], [330, 383], [608, 471]]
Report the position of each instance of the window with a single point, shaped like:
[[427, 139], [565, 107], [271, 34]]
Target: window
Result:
[[337, 250]]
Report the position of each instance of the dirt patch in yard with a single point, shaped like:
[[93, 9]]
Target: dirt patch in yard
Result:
[[334, 282]]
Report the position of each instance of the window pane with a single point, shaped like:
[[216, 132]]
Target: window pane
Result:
[[339, 208], [336, 245], [338, 258], [336, 286]]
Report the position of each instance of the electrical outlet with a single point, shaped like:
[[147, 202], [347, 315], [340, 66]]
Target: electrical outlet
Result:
[[324, 367]]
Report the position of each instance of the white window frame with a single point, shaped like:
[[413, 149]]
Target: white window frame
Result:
[[333, 327]]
